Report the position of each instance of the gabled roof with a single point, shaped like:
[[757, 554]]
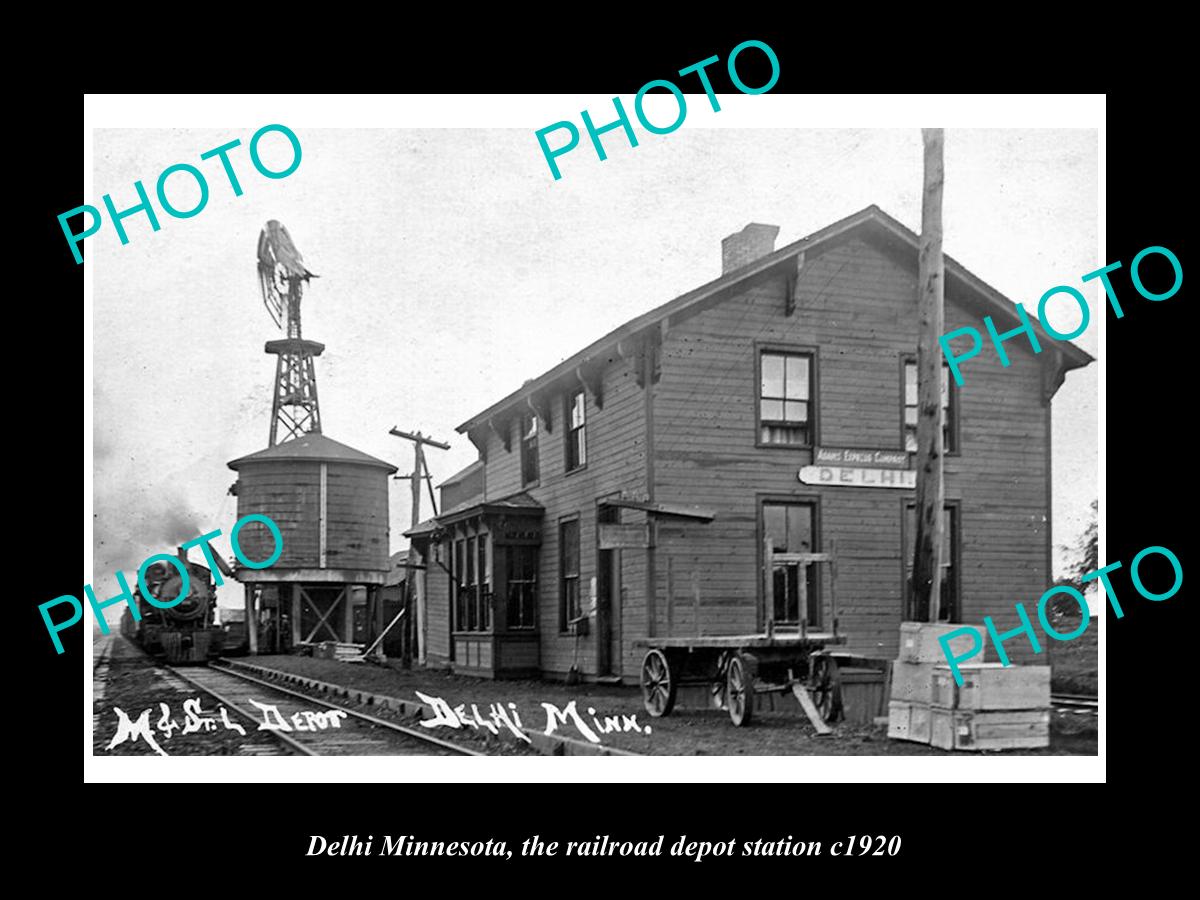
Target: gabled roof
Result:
[[313, 447], [871, 218], [462, 474]]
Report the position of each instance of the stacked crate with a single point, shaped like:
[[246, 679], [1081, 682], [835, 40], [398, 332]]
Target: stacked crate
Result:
[[997, 707], [909, 716]]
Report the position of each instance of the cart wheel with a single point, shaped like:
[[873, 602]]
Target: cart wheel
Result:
[[739, 690], [825, 687], [658, 687]]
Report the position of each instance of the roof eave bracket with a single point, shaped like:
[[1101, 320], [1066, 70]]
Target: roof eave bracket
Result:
[[479, 439], [592, 380], [791, 294], [541, 410], [502, 431]]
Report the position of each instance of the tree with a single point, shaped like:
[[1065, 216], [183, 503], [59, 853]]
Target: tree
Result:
[[1087, 548], [1086, 559]]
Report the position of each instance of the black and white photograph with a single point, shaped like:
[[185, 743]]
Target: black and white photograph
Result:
[[434, 432]]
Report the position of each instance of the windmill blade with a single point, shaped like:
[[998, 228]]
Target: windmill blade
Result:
[[273, 297], [285, 252], [281, 270]]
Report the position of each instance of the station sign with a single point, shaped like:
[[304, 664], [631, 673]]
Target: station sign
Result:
[[623, 537], [857, 476]]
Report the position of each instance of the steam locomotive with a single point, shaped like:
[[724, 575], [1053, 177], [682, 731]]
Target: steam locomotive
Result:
[[185, 632]]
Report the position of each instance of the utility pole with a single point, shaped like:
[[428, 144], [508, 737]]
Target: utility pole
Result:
[[927, 554], [420, 473]]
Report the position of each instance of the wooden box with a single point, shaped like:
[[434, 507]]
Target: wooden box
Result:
[[919, 642], [992, 686], [862, 694], [956, 729], [908, 721], [912, 682]]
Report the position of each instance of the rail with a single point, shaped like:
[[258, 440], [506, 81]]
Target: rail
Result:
[[292, 742], [1076, 703]]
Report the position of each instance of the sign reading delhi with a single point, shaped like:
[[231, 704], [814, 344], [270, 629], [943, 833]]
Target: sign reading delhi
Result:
[[847, 467]]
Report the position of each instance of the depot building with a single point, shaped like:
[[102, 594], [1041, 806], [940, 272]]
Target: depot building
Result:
[[674, 477]]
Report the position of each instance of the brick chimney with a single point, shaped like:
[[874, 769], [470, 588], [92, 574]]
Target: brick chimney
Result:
[[752, 242]]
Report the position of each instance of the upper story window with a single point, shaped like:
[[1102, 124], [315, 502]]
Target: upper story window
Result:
[[949, 409], [576, 430], [529, 449], [785, 398]]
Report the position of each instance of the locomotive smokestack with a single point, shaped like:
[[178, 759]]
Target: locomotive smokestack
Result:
[[182, 553]]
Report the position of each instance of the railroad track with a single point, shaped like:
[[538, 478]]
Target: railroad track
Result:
[[1077, 703], [356, 734]]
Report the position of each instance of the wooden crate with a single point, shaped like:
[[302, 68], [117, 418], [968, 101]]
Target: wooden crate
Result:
[[912, 682], [908, 721], [992, 686], [862, 694], [919, 642], [955, 729]]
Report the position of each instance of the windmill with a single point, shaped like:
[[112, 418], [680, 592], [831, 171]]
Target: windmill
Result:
[[282, 276]]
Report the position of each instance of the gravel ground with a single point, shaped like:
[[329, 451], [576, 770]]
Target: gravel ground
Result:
[[686, 732]]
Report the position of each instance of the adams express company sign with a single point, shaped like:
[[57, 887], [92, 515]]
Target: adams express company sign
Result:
[[846, 467]]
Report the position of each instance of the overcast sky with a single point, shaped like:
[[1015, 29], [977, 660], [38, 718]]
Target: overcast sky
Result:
[[453, 269]]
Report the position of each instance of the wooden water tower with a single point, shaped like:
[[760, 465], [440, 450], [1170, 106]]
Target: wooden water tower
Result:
[[330, 503]]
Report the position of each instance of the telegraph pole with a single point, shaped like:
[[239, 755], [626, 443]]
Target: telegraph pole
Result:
[[927, 554], [420, 473]]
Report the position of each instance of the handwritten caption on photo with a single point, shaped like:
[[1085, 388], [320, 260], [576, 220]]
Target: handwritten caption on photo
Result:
[[498, 717], [197, 720]]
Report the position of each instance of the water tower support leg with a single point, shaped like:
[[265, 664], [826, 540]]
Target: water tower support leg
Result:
[[251, 619], [295, 614]]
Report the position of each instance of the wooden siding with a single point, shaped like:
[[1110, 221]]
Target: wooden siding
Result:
[[357, 507], [437, 614], [616, 441], [288, 492], [857, 308], [469, 487]]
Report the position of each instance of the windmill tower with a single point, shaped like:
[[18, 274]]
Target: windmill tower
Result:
[[282, 275]]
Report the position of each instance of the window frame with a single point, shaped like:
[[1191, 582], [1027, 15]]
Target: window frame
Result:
[[564, 616], [910, 500], [812, 352], [525, 452], [952, 407], [811, 498], [569, 432], [470, 585], [511, 553]]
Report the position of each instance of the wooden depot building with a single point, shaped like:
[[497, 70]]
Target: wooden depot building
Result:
[[669, 478]]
